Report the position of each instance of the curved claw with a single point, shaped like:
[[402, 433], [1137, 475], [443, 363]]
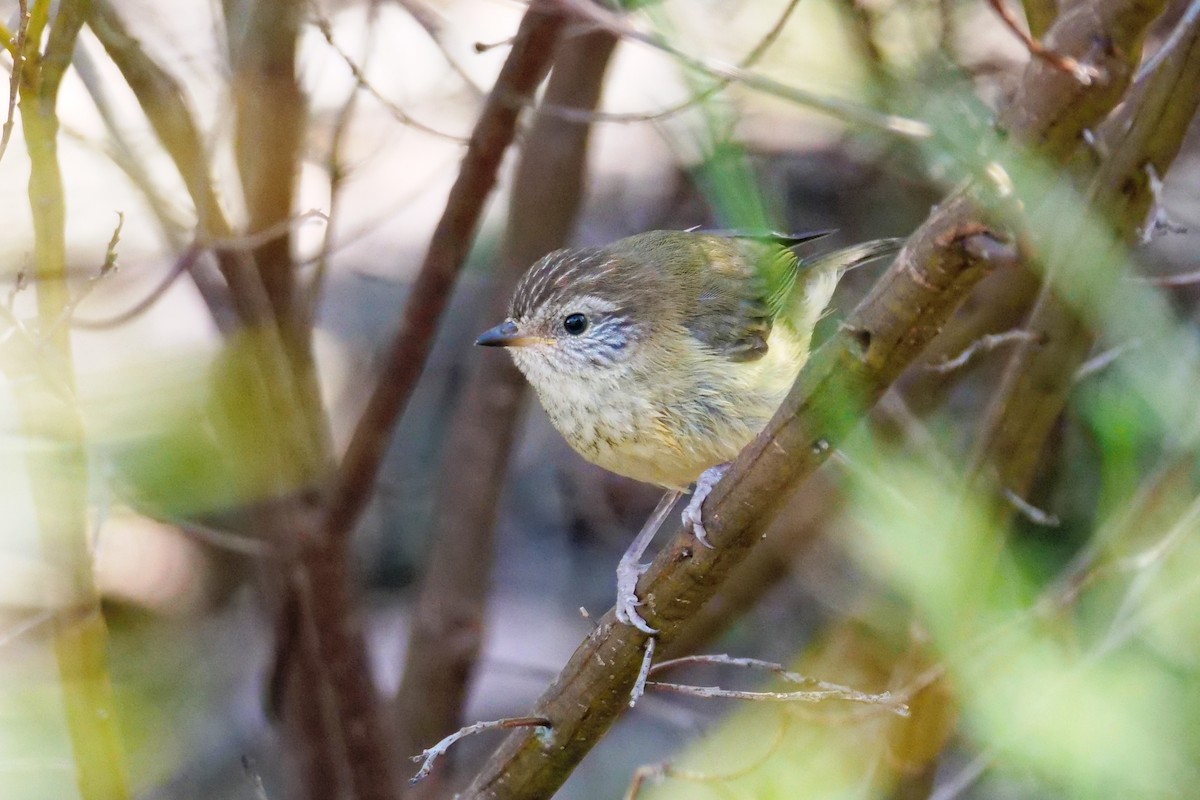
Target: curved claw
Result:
[[627, 599], [693, 515], [628, 615], [693, 520]]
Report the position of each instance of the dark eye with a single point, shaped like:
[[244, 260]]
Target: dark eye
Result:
[[575, 324]]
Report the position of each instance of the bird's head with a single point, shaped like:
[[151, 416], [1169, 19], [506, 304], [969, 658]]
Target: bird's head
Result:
[[579, 314]]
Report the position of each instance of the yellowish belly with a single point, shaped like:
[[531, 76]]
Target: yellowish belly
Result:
[[670, 433]]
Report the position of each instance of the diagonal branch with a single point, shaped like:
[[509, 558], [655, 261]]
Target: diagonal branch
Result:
[[1148, 129], [447, 626], [524, 69], [943, 260]]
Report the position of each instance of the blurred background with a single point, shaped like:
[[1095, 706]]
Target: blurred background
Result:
[[1047, 650]]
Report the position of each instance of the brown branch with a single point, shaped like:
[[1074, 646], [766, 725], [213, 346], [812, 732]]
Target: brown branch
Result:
[[447, 625], [1148, 129], [1083, 73], [844, 378], [269, 115], [815, 504], [329, 702], [527, 63]]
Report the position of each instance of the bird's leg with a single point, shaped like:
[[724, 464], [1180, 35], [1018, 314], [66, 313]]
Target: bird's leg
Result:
[[630, 568], [692, 515]]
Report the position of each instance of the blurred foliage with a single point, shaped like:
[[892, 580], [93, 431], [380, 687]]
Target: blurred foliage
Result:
[[1036, 660]]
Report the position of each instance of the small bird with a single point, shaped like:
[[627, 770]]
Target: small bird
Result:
[[662, 355]]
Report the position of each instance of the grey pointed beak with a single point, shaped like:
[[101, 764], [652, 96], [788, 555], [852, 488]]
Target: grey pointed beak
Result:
[[507, 334], [500, 336]]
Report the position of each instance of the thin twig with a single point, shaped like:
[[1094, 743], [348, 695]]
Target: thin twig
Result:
[[431, 22], [187, 261], [817, 687], [1182, 30], [430, 755], [1178, 279], [1158, 221], [326, 29], [984, 344], [17, 47], [844, 110], [107, 267], [639, 685], [669, 770], [1031, 512], [828, 691], [751, 58], [1101, 361], [336, 170], [1084, 73]]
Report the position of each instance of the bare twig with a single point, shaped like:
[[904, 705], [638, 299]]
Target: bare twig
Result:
[[429, 756], [1178, 279], [326, 29], [432, 22], [15, 45], [817, 689], [107, 267], [840, 109], [639, 684], [162, 101], [1101, 361], [1084, 73], [984, 344], [1158, 222], [188, 261], [831, 692], [751, 58], [1031, 512], [336, 169]]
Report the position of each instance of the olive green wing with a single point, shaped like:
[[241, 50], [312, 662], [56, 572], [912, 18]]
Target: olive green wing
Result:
[[725, 290], [739, 295]]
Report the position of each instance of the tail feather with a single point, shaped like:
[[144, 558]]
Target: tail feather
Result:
[[847, 258], [819, 276]]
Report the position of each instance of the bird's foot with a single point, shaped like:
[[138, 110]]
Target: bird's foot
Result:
[[693, 515], [628, 572]]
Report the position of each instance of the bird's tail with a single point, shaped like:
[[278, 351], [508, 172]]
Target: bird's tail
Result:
[[855, 255], [819, 276]]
